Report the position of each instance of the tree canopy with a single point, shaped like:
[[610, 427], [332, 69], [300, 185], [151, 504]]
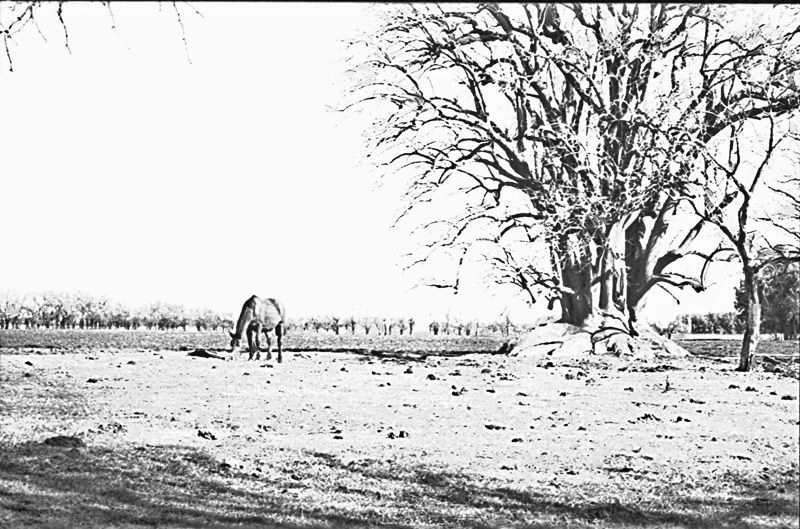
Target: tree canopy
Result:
[[572, 129]]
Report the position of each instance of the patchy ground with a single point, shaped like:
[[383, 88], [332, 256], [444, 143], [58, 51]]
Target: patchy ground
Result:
[[351, 440]]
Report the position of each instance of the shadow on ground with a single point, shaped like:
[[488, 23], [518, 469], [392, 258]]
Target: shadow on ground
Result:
[[481, 506], [165, 486]]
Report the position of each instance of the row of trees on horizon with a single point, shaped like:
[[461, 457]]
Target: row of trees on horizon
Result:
[[64, 310]]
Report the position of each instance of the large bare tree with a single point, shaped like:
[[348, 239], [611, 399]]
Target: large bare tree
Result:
[[570, 129]]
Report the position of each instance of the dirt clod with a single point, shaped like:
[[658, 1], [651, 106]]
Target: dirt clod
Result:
[[205, 434]]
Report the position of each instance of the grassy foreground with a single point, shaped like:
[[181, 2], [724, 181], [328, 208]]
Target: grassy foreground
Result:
[[355, 440]]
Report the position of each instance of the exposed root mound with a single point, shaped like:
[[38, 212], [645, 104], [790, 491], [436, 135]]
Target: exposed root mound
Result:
[[554, 340], [599, 337]]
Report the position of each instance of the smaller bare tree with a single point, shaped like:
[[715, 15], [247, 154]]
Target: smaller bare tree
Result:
[[732, 203]]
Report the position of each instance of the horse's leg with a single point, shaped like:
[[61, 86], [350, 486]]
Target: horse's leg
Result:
[[279, 334], [258, 344], [257, 333], [250, 343], [269, 344]]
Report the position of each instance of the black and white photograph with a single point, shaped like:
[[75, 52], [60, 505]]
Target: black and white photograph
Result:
[[427, 265]]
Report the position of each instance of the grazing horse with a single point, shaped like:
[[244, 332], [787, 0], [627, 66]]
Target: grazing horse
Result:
[[259, 315]]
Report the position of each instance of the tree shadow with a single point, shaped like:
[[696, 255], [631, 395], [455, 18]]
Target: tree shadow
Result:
[[400, 356], [507, 506], [153, 486], [169, 486]]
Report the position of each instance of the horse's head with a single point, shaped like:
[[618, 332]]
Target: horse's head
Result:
[[235, 342]]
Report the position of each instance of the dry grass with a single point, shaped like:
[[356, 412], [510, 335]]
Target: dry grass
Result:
[[315, 442]]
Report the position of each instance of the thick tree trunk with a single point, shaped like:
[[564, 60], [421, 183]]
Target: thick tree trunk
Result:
[[636, 267], [576, 296], [752, 325], [610, 275]]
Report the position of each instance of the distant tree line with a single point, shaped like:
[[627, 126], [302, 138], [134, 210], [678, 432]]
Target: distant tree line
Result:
[[779, 294], [449, 326], [372, 325], [709, 323], [780, 314], [62, 310]]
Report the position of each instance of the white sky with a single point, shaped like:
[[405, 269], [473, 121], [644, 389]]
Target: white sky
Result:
[[129, 172]]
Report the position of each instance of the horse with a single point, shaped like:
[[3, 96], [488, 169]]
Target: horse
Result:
[[259, 316]]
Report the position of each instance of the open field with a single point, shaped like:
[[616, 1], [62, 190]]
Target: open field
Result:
[[111, 340], [400, 438], [727, 347], [16, 340]]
